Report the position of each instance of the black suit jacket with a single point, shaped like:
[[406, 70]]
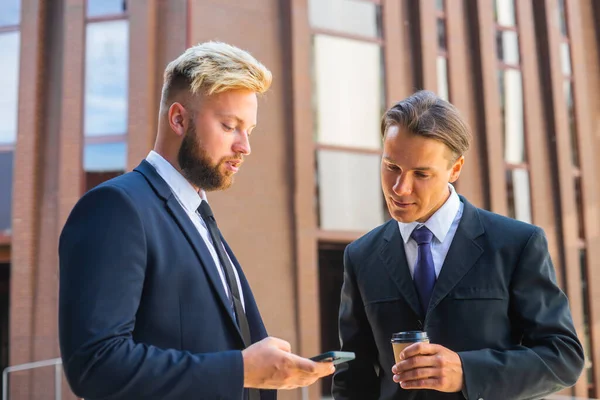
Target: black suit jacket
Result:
[[496, 303], [142, 310]]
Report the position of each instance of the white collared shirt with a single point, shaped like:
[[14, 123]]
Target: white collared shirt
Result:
[[443, 224], [190, 200]]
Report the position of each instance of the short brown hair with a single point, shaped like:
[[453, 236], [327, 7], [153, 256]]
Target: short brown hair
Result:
[[427, 115], [215, 67]]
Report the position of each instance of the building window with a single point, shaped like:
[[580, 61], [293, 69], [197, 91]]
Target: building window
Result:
[[347, 47], [442, 56], [510, 86], [10, 42], [106, 91]]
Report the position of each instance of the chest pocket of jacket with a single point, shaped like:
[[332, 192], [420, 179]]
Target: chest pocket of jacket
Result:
[[478, 293]]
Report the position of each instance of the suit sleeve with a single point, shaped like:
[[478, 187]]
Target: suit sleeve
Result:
[[356, 379], [103, 257], [550, 356]]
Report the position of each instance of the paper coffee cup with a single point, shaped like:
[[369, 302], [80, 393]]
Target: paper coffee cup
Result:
[[402, 340]]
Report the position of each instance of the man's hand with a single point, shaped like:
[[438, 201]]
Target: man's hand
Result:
[[269, 364], [429, 366]]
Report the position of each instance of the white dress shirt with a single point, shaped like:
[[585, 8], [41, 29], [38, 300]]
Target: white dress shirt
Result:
[[443, 224], [190, 200]]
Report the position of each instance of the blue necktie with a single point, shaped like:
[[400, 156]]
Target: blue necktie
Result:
[[424, 275]]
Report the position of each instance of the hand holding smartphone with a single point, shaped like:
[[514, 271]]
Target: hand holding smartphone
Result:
[[337, 357]]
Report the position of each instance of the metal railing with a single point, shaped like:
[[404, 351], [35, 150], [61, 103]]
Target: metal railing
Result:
[[57, 362]]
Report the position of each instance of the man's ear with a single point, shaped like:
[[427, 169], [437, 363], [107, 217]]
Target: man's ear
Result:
[[456, 168], [178, 117]]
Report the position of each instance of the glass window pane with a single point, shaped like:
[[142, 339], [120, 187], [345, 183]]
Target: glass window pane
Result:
[[105, 157], [579, 205], [348, 91], [106, 74], [439, 4], [441, 31], [9, 86], [562, 17], [507, 44], [349, 190], [96, 8], [565, 58], [6, 178], [512, 97], [442, 77], [519, 199], [10, 12], [348, 16], [568, 88], [505, 12]]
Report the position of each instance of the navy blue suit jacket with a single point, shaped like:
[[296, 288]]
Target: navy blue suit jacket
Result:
[[142, 310], [496, 303]]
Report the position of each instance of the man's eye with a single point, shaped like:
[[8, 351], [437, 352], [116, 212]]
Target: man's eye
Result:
[[421, 175], [227, 128], [392, 167]]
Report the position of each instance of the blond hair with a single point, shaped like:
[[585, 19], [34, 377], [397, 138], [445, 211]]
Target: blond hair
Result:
[[215, 67], [425, 114]]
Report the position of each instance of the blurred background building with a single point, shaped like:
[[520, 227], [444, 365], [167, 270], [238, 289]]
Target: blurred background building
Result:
[[79, 89]]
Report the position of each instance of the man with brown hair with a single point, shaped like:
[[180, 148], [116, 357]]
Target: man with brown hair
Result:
[[153, 303], [481, 285]]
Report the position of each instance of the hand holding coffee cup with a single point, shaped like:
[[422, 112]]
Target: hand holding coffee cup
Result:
[[402, 340], [425, 366]]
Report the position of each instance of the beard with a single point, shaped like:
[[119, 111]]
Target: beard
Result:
[[197, 167]]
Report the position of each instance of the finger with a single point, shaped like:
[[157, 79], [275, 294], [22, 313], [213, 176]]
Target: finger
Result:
[[280, 344], [415, 362], [429, 383], [416, 374], [420, 349]]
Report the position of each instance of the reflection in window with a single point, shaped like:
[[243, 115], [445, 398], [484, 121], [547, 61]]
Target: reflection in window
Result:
[[442, 77], [562, 17], [348, 16], [507, 45], [6, 178], [10, 13], [565, 58], [441, 34], [439, 4], [518, 192], [505, 12], [348, 91], [97, 8], [568, 88], [105, 157], [350, 195], [511, 92], [106, 73], [9, 86]]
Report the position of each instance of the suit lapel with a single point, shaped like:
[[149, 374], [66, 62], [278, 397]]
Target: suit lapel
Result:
[[394, 259], [192, 235], [464, 252]]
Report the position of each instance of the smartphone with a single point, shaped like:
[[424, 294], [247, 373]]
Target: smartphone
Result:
[[337, 357]]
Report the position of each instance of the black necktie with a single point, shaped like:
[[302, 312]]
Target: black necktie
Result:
[[211, 223]]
